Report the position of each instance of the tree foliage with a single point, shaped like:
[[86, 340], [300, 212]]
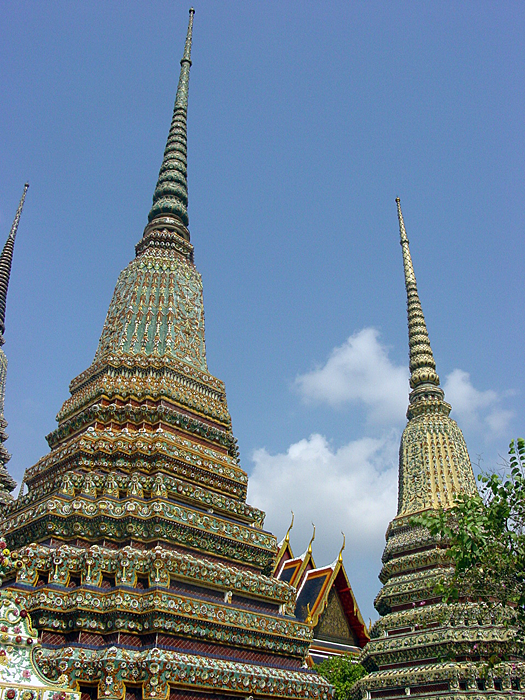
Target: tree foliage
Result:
[[342, 673], [486, 538]]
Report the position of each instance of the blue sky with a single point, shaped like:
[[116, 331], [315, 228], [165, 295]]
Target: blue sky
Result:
[[306, 120]]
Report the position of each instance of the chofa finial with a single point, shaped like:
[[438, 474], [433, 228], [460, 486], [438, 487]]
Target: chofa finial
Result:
[[287, 536], [311, 541], [340, 557]]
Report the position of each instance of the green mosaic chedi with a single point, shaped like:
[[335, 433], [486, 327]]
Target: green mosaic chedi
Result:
[[422, 646], [146, 572]]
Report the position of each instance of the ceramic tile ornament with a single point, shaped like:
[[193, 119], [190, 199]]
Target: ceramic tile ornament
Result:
[[20, 678]]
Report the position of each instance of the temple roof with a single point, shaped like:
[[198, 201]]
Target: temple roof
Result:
[[315, 586], [313, 598], [293, 569]]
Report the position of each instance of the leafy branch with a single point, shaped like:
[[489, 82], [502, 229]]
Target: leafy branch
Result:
[[485, 536]]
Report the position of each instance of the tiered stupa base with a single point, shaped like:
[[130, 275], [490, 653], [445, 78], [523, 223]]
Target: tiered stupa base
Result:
[[428, 648], [146, 571], [460, 680], [158, 673]]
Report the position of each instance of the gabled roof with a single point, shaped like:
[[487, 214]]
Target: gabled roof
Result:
[[293, 569], [315, 586], [313, 594]]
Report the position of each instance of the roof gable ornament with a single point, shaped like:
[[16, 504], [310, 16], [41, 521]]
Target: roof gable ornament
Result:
[[284, 551], [309, 550], [340, 557], [287, 536]]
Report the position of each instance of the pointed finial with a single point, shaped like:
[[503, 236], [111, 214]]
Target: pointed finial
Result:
[[171, 193], [308, 618], [181, 98], [6, 259], [287, 536], [309, 550], [340, 557], [422, 365]]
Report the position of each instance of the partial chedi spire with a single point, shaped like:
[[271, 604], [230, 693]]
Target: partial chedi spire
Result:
[[171, 193], [6, 258], [7, 483], [422, 364]]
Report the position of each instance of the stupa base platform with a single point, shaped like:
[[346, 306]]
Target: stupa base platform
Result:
[[156, 674], [439, 681]]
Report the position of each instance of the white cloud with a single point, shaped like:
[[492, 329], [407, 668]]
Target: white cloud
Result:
[[352, 489], [360, 371], [475, 409]]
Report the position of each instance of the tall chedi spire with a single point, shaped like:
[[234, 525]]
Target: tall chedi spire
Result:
[[146, 571], [169, 212], [423, 646], [422, 364], [171, 193], [434, 463], [7, 483]]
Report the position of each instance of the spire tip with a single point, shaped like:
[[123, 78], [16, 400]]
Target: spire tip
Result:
[[422, 364], [170, 198]]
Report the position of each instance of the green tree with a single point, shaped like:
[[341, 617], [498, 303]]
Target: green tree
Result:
[[485, 534], [342, 673]]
